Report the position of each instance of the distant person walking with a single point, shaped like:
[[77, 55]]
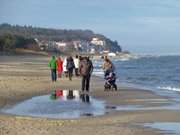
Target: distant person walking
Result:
[[85, 70], [59, 66], [76, 63], [53, 66], [70, 66]]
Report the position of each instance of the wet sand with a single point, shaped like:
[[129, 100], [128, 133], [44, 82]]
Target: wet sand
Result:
[[22, 77]]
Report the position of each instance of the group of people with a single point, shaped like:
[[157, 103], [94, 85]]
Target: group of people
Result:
[[81, 65], [59, 66]]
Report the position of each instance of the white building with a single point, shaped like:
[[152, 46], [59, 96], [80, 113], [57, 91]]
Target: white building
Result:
[[111, 54], [61, 44], [106, 51], [97, 41], [92, 51]]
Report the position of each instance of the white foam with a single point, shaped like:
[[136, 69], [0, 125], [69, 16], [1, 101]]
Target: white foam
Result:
[[124, 59], [169, 88]]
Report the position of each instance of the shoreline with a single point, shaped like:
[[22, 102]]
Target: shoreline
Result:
[[27, 81]]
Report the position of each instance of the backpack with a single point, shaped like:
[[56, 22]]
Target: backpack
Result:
[[86, 67]]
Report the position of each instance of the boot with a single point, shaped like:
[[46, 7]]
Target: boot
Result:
[[83, 97]]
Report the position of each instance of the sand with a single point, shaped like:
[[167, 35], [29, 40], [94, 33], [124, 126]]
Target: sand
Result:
[[22, 77]]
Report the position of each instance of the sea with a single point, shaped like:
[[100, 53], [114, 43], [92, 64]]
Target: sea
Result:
[[146, 71]]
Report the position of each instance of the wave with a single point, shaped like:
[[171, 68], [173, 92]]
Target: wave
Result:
[[148, 78], [169, 88], [127, 57], [123, 59]]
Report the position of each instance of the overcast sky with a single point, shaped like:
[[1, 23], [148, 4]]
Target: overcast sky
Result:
[[141, 26]]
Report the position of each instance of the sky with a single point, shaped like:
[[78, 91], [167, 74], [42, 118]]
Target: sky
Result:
[[140, 26]]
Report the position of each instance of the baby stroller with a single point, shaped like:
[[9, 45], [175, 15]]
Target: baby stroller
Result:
[[110, 81]]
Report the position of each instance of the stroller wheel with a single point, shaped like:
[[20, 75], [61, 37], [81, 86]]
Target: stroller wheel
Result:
[[107, 87]]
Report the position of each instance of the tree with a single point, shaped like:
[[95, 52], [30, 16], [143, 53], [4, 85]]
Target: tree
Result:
[[1, 45], [8, 43]]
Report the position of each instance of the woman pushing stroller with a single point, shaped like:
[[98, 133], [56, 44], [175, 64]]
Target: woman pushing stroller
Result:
[[109, 75]]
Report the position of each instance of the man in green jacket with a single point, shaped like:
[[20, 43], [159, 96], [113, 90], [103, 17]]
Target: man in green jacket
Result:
[[53, 66]]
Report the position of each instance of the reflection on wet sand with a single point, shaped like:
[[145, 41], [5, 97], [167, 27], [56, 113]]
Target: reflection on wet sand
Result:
[[60, 107]]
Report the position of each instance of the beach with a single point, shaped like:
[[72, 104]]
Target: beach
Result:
[[23, 77]]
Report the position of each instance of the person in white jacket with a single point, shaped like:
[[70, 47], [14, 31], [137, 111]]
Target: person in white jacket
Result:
[[64, 67], [76, 63]]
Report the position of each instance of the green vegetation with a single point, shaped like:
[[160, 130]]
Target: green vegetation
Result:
[[9, 42]]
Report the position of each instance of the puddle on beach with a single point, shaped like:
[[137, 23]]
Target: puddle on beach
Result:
[[167, 128], [44, 106]]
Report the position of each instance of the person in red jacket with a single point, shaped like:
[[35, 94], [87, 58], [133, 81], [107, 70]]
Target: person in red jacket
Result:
[[59, 66]]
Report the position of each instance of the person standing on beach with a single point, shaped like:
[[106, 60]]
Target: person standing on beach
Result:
[[59, 66], [53, 66], [85, 70], [76, 62], [64, 67], [70, 66]]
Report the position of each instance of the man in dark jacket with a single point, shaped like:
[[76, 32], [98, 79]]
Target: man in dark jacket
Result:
[[85, 70], [70, 66]]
